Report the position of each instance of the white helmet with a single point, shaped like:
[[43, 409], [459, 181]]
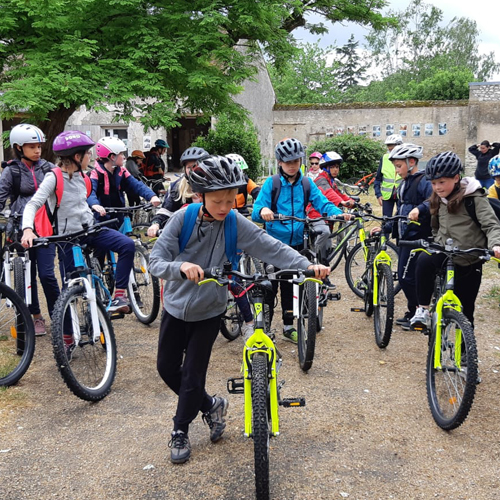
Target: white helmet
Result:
[[394, 139], [239, 160], [26, 134], [405, 151], [109, 145]]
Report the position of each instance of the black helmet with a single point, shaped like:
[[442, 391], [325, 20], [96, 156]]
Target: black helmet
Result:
[[193, 154], [215, 173], [445, 164], [289, 150]]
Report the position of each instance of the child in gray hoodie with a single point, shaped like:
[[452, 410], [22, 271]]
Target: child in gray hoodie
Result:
[[192, 314]]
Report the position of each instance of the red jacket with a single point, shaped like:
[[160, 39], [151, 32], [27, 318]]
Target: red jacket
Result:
[[330, 191]]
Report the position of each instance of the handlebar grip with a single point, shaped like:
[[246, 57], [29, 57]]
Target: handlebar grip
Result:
[[309, 273], [413, 243], [208, 273], [355, 198]]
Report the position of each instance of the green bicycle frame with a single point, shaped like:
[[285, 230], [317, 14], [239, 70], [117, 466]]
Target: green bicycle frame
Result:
[[381, 258]]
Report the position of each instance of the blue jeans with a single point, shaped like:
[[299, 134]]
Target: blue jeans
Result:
[[486, 183], [42, 258]]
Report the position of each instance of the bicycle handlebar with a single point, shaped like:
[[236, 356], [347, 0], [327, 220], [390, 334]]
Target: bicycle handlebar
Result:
[[117, 210], [216, 273], [433, 247], [72, 236]]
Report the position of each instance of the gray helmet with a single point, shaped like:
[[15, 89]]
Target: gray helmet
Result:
[[193, 154], [445, 164], [215, 173], [289, 150], [394, 139], [405, 151]]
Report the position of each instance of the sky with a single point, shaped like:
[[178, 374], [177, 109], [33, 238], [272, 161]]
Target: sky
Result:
[[486, 15]]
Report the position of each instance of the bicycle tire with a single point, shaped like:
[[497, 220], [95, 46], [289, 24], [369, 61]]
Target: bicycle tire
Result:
[[260, 424], [144, 291], [383, 321], [90, 370], [97, 271], [354, 268], [17, 337], [307, 324], [450, 392], [335, 261], [368, 295], [231, 322], [351, 188], [18, 271]]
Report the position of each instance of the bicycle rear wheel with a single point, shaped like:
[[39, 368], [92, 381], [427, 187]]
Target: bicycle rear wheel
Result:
[[17, 337], [260, 424], [88, 368], [307, 324], [351, 188], [383, 312], [143, 288], [451, 390]]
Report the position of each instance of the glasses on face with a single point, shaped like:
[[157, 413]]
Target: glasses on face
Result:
[[314, 163]]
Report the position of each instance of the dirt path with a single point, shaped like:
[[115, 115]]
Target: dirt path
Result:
[[366, 431]]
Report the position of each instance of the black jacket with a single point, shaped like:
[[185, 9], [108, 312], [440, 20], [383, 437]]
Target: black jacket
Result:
[[482, 171]]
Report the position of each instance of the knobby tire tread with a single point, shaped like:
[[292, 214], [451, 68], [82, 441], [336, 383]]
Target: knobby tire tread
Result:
[[307, 325], [383, 332]]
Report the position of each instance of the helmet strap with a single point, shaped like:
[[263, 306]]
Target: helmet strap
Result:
[[285, 175], [204, 211]]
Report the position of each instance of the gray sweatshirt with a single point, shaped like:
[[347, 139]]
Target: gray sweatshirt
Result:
[[188, 301], [73, 211]]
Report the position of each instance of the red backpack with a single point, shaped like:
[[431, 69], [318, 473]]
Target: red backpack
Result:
[[45, 219]]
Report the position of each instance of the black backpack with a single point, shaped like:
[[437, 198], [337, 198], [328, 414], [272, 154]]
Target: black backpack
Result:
[[470, 206], [276, 189], [16, 177]]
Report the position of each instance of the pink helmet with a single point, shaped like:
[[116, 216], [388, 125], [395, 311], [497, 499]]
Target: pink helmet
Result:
[[316, 155], [109, 145]]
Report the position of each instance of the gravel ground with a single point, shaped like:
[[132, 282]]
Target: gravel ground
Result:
[[366, 431]]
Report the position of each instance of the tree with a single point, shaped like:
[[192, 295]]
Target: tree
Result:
[[350, 72], [148, 61], [234, 136], [419, 47], [305, 77]]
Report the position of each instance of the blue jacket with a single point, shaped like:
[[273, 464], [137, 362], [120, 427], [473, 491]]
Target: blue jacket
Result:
[[290, 202]]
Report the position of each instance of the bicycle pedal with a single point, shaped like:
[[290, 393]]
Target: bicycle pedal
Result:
[[358, 309], [117, 315], [292, 402], [334, 296], [235, 385]]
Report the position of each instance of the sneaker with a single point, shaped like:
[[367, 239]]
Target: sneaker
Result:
[[39, 326], [405, 319], [329, 285], [290, 333], [180, 447], [215, 418], [247, 330], [422, 319], [119, 304]]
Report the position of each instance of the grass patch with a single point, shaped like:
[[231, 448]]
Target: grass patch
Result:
[[494, 293]]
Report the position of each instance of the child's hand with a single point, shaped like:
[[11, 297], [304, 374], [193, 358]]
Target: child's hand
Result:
[[320, 271], [193, 272], [267, 214], [99, 209], [347, 203], [413, 215], [348, 216], [155, 201], [28, 237], [496, 249], [153, 230]]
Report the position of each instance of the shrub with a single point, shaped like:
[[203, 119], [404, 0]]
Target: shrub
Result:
[[230, 136], [360, 153]]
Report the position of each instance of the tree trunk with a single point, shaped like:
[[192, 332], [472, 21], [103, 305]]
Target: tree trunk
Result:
[[53, 126]]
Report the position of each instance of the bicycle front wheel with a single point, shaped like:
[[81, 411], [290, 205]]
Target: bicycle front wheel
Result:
[[87, 367], [307, 324], [260, 424], [451, 389], [383, 312], [19, 281], [17, 337], [143, 288]]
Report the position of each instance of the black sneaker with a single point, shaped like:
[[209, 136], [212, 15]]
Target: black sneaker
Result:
[[215, 418], [405, 319], [180, 447], [120, 304]]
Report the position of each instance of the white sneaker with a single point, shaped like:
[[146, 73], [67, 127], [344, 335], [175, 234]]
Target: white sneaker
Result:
[[247, 330], [422, 318]]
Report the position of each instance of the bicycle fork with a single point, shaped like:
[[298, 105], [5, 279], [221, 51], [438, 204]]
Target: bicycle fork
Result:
[[7, 268]]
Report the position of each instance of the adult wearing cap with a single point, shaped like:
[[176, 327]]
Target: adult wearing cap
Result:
[[154, 166], [387, 180], [133, 165]]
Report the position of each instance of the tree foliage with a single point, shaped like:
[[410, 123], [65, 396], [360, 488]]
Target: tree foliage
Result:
[[350, 70], [150, 61], [360, 153], [234, 136]]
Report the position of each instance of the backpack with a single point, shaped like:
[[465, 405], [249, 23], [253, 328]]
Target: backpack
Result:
[[276, 189], [412, 191], [470, 206], [16, 177], [230, 232], [45, 219]]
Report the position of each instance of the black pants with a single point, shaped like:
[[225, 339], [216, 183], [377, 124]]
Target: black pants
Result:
[[467, 282], [388, 207], [408, 282], [184, 350]]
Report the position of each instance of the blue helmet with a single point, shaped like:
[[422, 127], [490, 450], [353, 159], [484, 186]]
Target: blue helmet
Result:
[[494, 166], [330, 158]]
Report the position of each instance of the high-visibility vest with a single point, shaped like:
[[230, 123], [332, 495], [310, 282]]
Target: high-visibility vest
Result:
[[390, 180]]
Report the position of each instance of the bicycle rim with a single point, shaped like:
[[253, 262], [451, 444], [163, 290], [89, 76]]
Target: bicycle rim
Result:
[[143, 289], [383, 313], [17, 337], [260, 425], [307, 324], [451, 391], [88, 368], [355, 270]]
